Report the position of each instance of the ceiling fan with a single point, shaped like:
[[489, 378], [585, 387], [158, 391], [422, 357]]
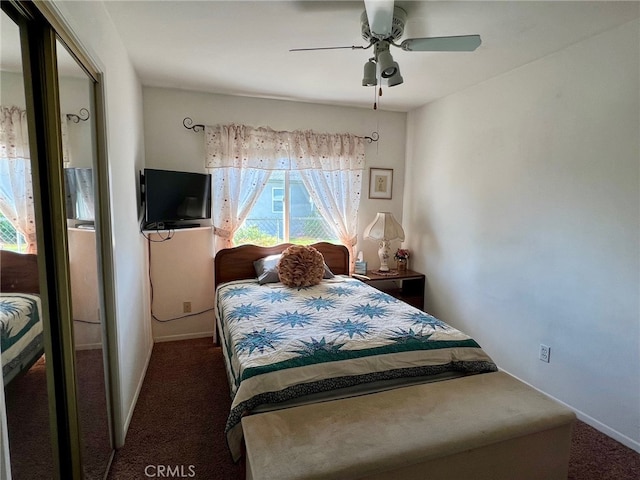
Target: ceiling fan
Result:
[[382, 24]]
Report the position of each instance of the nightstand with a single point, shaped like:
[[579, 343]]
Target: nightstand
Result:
[[407, 286]]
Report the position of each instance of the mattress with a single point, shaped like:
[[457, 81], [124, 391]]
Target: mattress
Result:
[[21, 340], [281, 344]]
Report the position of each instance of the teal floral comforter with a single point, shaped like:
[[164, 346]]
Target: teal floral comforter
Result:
[[20, 331], [282, 343]]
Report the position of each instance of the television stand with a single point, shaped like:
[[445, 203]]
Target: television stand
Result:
[[151, 226], [183, 225]]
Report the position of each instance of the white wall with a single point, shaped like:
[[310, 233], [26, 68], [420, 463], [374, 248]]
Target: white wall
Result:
[[182, 271], [74, 95], [94, 28], [522, 202], [169, 145], [12, 89], [83, 277]]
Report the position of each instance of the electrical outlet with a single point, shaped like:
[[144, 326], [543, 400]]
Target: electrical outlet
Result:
[[186, 307], [545, 353]]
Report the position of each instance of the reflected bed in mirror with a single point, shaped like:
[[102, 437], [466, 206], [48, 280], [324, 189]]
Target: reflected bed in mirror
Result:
[[21, 340]]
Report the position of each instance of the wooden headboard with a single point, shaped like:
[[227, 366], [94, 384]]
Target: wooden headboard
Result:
[[237, 263], [19, 272]]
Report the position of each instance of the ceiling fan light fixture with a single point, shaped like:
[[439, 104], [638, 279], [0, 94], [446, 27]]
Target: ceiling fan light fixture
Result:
[[388, 67], [381, 25], [396, 78], [369, 78]]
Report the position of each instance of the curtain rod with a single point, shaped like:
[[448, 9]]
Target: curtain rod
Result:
[[198, 127], [83, 115]]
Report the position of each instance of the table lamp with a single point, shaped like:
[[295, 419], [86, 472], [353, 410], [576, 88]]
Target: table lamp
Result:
[[384, 228]]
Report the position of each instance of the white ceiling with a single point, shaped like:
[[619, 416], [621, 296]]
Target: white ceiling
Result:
[[242, 47]]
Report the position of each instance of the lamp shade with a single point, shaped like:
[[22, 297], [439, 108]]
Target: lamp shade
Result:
[[369, 79], [396, 78], [387, 66], [384, 227]]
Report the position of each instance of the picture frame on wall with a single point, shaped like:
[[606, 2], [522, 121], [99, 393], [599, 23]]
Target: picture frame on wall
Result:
[[381, 183]]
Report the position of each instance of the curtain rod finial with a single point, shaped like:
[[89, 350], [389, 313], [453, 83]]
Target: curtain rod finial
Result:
[[189, 125], [374, 137], [82, 115]]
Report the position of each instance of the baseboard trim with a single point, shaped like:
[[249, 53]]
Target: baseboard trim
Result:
[[134, 402], [589, 420], [183, 336]]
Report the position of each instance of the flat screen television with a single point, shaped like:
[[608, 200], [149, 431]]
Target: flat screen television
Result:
[[172, 197]]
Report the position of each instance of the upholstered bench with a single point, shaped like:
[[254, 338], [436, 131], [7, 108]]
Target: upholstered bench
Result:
[[489, 426]]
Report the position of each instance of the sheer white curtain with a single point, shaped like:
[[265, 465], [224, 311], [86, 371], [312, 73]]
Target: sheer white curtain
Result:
[[16, 188], [331, 166], [79, 192], [241, 159], [64, 130]]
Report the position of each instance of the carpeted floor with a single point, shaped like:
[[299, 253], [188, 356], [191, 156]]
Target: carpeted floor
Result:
[[594, 456], [179, 422], [27, 410], [180, 416], [28, 424]]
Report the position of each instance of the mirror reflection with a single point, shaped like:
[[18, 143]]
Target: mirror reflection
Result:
[[25, 406], [76, 105]]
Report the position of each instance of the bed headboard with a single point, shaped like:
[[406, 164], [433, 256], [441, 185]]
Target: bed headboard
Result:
[[19, 272], [237, 263]]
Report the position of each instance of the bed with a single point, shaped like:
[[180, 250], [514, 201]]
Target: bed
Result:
[[21, 342], [286, 347]]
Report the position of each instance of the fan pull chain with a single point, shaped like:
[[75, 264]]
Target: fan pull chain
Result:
[[375, 99], [377, 92]]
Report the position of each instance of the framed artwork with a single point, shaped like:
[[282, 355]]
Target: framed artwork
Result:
[[380, 183]]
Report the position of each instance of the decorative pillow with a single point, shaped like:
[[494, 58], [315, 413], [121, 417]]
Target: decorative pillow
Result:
[[267, 269], [301, 266]]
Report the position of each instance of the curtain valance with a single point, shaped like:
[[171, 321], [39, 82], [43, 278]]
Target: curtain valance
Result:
[[241, 146]]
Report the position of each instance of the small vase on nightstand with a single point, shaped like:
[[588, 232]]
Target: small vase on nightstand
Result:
[[401, 263]]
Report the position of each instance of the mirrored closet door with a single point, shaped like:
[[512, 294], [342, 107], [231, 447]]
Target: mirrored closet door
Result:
[[77, 107], [22, 318], [55, 409]]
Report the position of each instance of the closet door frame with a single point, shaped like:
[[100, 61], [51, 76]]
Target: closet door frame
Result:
[[40, 27]]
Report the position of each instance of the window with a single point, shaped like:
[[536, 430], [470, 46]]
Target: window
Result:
[[277, 200], [286, 213], [10, 238]]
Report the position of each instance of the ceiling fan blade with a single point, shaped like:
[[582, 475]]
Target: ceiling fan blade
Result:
[[462, 43], [380, 15], [352, 47]]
